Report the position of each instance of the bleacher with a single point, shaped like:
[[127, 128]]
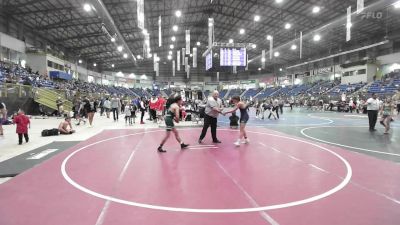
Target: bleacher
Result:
[[251, 93], [234, 92], [266, 92], [299, 89], [222, 93]]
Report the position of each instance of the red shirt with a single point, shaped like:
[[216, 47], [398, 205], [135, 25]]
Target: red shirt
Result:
[[153, 103], [161, 104], [22, 122]]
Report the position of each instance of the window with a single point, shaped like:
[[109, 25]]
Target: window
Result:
[[49, 63], [360, 72]]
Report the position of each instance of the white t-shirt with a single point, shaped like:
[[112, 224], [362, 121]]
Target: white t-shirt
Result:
[[372, 104]]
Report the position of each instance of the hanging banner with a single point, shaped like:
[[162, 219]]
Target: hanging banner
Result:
[[234, 70], [178, 59], [159, 32], [173, 68], [140, 13], [157, 69], [146, 45], [188, 71], [360, 6], [194, 57], [271, 48], [218, 76], [187, 38], [186, 63], [155, 61], [210, 32], [301, 44], [247, 63], [348, 24], [263, 59], [183, 56]]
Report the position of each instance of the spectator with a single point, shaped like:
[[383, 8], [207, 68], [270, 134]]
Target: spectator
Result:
[[234, 121], [22, 122], [60, 107], [65, 127], [115, 106], [107, 107], [3, 116]]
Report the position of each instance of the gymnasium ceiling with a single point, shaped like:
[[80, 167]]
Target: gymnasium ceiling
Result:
[[79, 32]]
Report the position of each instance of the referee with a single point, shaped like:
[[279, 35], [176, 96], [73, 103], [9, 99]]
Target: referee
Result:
[[213, 109], [372, 108]]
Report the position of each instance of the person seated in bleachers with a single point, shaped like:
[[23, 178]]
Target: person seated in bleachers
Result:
[[65, 127]]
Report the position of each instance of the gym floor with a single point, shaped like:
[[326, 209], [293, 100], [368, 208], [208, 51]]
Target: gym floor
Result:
[[307, 168]]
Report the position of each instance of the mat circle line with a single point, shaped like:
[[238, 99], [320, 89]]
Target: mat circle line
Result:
[[341, 145], [340, 186]]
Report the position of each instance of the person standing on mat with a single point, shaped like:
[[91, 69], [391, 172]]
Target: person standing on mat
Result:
[[115, 106], [173, 106], [244, 117], [372, 108], [212, 110]]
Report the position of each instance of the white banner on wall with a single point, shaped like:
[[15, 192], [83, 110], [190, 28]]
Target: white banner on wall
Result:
[[360, 6], [173, 68], [348, 24], [159, 32], [210, 32], [247, 62], [187, 38], [217, 76], [188, 71], [140, 13], [178, 60], [234, 70], [194, 57]]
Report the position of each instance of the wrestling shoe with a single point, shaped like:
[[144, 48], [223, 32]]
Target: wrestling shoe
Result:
[[159, 149], [183, 146]]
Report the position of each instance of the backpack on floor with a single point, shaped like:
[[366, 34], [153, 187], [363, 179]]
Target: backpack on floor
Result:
[[50, 132]]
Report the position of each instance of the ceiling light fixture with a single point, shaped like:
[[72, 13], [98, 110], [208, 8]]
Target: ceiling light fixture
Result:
[[173, 38], [175, 28], [241, 31], [171, 46], [94, 64], [256, 18], [277, 54], [80, 61], [198, 43], [317, 37], [230, 41], [288, 26], [254, 46], [119, 48], [112, 65], [293, 47], [178, 13], [269, 37], [87, 7], [113, 39], [125, 55], [316, 9]]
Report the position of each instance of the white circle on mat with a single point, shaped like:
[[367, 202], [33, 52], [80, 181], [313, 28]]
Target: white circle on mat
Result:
[[337, 188]]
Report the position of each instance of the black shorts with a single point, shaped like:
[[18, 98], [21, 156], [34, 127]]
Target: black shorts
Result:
[[169, 123], [244, 119]]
